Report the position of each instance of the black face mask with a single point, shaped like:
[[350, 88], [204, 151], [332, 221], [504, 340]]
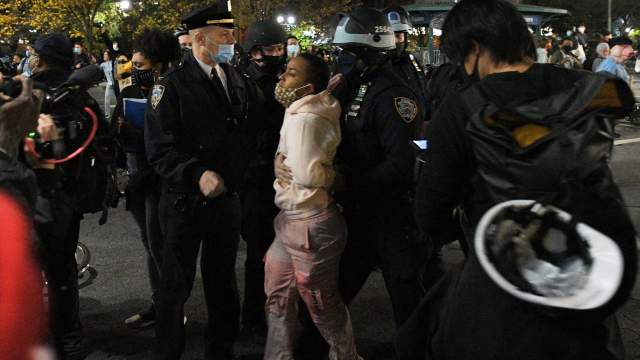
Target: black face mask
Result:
[[401, 48], [567, 49], [273, 64], [142, 78], [473, 77]]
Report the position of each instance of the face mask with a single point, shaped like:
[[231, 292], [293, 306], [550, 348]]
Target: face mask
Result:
[[475, 76], [286, 97], [115, 47], [272, 64], [76, 51], [293, 50], [346, 62], [400, 48], [142, 78], [224, 55], [582, 29], [33, 61], [27, 53], [567, 49]]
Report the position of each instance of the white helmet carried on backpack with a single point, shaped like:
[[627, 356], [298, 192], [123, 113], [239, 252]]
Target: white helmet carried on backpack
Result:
[[541, 255]]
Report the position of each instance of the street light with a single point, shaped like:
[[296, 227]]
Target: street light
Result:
[[280, 19], [628, 30], [291, 20], [125, 5]]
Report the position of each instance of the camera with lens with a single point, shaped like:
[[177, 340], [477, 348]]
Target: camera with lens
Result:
[[76, 124]]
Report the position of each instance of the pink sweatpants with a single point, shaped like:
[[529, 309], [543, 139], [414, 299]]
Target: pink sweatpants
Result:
[[303, 261]]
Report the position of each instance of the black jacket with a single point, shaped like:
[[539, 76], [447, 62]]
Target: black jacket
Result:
[[376, 155], [410, 70], [261, 170], [190, 126], [477, 319]]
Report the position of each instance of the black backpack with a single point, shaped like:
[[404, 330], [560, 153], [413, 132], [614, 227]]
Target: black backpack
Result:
[[520, 155]]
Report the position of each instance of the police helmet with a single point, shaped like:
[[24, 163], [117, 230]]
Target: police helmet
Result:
[[541, 255], [181, 30], [398, 18], [365, 27], [264, 33]]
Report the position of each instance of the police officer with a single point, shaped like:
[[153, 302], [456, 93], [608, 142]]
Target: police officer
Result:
[[63, 199], [405, 64], [375, 160], [184, 39], [264, 44], [198, 130]]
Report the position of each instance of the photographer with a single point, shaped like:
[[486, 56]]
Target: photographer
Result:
[[21, 310], [68, 190]]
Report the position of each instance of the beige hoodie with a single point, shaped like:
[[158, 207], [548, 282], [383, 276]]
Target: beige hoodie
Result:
[[309, 138]]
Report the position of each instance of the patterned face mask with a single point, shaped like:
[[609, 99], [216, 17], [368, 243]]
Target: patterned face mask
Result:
[[286, 96]]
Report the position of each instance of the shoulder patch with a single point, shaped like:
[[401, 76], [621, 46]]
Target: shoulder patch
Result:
[[156, 95], [406, 108]]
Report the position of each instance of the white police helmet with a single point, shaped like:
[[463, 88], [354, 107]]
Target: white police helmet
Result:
[[365, 27], [540, 255]]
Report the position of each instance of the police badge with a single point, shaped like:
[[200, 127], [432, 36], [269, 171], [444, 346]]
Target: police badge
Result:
[[156, 95], [406, 108]]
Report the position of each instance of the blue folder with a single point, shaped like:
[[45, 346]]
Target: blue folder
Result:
[[134, 111]]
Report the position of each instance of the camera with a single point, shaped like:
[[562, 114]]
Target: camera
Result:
[[75, 123]]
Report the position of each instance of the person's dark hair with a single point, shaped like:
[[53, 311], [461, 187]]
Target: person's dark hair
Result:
[[292, 37], [495, 25], [317, 71], [108, 52], [21, 56], [606, 33], [159, 46], [566, 39]]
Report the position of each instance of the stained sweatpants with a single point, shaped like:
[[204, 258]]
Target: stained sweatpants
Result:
[[303, 261]]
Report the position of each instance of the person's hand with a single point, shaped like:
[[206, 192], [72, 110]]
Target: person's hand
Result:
[[283, 172], [47, 128], [334, 82], [211, 184], [19, 116]]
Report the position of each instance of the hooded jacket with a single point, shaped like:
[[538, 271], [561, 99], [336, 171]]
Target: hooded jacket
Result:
[[472, 318], [309, 139]]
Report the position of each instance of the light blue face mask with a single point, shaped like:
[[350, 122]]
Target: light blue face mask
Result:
[[293, 50], [224, 55]]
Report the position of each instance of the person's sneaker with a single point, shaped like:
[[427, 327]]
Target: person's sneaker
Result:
[[142, 320]]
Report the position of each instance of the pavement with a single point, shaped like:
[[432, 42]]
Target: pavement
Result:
[[121, 286]]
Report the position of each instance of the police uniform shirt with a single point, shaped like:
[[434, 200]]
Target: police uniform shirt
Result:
[[208, 70]]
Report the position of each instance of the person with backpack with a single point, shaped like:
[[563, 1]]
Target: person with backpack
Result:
[[521, 130]]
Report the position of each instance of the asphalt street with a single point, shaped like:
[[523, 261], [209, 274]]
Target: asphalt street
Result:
[[121, 286]]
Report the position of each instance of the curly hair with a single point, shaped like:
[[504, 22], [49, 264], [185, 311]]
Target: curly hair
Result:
[[160, 47]]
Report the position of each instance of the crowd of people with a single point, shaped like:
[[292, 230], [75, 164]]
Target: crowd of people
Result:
[[578, 51], [329, 166]]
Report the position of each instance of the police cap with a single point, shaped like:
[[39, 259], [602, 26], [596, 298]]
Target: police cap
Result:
[[215, 15], [56, 49]]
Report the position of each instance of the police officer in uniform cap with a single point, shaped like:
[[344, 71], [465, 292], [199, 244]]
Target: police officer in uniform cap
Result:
[[198, 129], [375, 161], [184, 39], [405, 64], [264, 44]]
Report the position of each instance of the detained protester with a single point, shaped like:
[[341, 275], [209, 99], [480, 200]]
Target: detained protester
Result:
[[154, 52], [621, 52], [533, 286], [200, 121], [311, 233], [264, 42], [375, 163]]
